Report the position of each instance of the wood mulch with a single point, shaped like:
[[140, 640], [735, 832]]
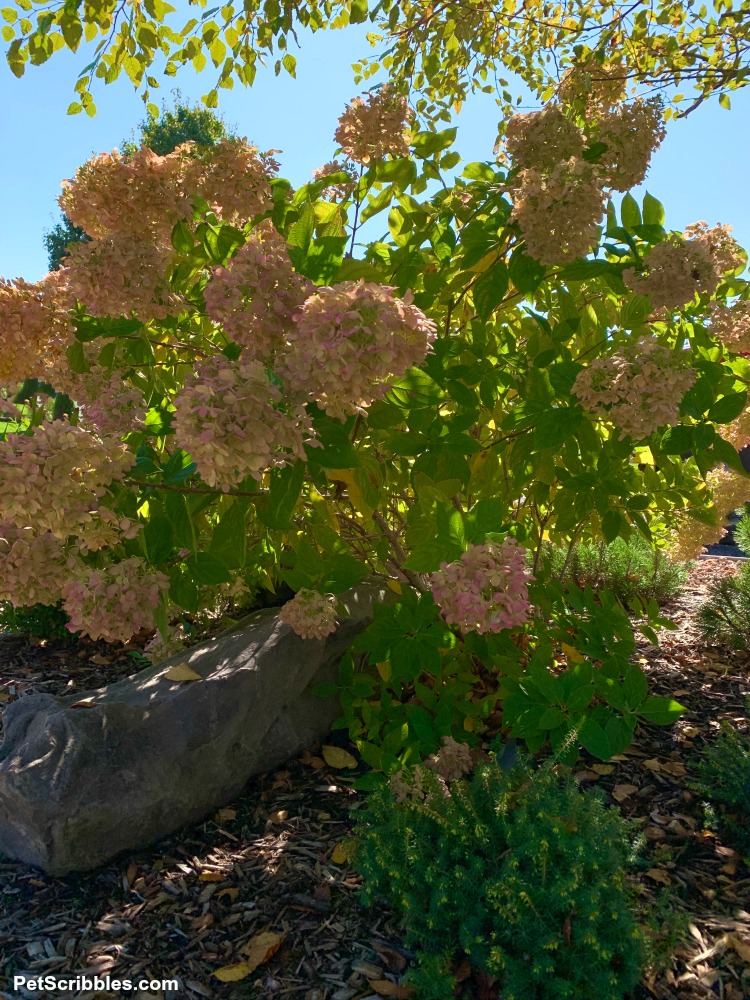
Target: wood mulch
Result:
[[274, 862]]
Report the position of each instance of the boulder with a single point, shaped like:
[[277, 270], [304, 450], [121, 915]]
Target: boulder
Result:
[[84, 777]]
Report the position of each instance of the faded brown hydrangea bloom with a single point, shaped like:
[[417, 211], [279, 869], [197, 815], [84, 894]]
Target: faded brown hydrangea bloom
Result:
[[452, 760], [378, 127]]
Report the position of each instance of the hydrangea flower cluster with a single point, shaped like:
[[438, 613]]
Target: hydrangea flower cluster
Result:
[[158, 648], [542, 139], [115, 602], [639, 388], [348, 338], [33, 567], [309, 614], [340, 191], [229, 419], [731, 325], [378, 127], [593, 87], [143, 195], [682, 266], [232, 176], [140, 196], [256, 296], [54, 477], [120, 276], [559, 210], [486, 589], [558, 195], [632, 133], [36, 325], [729, 491], [129, 205], [728, 256], [452, 761]]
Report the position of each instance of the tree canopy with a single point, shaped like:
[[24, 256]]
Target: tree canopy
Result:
[[439, 50]]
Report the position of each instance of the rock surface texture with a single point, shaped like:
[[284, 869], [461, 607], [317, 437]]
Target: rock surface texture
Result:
[[143, 756]]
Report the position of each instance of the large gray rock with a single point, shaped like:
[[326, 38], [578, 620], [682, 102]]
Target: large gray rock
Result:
[[146, 754]]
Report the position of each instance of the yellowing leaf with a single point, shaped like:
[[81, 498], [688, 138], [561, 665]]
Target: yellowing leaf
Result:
[[181, 672], [233, 973], [384, 669], [211, 877], [342, 852], [338, 758], [394, 585], [572, 653], [468, 724], [261, 947], [602, 768]]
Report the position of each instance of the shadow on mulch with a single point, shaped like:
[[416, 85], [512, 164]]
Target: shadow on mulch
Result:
[[275, 860]]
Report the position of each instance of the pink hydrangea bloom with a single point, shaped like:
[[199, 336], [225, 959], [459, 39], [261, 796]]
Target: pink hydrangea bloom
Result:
[[115, 602], [486, 589], [638, 388], [347, 341], [256, 296], [54, 478], [309, 614], [230, 421]]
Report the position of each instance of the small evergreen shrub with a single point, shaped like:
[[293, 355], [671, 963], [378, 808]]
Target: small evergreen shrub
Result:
[[521, 872], [630, 569], [724, 618], [40, 621], [724, 779]]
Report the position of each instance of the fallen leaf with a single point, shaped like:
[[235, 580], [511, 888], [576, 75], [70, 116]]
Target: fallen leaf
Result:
[[602, 768], [654, 833], [100, 661], [261, 947], [659, 875], [182, 672], [338, 758], [741, 947], [279, 816], [652, 765], [233, 973], [83, 703], [622, 792], [224, 814], [385, 988], [211, 877], [342, 852], [674, 768], [232, 894], [586, 776]]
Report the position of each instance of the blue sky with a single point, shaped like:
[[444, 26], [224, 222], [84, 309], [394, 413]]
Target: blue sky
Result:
[[699, 173]]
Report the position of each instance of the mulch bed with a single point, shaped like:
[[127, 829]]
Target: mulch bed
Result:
[[275, 860]]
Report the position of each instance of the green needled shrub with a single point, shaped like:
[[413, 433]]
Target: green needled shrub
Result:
[[520, 871], [630, 569], [724, 779], [724, 619], [40, 621]]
